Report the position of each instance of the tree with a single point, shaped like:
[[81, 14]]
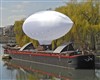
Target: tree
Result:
[[21, 38], [86, 20]]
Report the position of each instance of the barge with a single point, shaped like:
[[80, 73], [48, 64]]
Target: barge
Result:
[[46, 26], [67, 59]]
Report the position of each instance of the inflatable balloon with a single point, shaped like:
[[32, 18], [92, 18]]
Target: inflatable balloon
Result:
[[46, 26]]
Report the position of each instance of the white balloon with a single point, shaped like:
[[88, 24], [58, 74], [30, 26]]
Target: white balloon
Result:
[[46, 26]]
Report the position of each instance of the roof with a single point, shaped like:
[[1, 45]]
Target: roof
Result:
[[25, 46], [62, 47]]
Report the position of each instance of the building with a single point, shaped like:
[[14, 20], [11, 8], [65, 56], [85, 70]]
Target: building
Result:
[[1, 31], [9, 31]]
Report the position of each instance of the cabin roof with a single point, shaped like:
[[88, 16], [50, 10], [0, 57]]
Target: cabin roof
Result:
[[26, 45], [62, 47]]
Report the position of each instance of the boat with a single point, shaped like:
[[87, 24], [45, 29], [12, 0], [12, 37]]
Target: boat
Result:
[[52, 25], [6, 56], [59, 57], [11, 46]]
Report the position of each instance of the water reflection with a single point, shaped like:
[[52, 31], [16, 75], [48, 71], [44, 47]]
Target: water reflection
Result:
[[33, 71], [5, 72], [97, 73]]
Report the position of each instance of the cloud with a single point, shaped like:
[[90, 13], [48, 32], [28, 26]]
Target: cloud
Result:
[[15, 11], [16, 17], [26, 2], [11, 19], [20, 7], [2, 8]]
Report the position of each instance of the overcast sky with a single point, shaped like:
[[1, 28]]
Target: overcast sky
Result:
[[12, 10], [19, 9]]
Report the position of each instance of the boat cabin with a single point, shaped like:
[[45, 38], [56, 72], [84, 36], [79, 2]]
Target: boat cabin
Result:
[[63, 49]]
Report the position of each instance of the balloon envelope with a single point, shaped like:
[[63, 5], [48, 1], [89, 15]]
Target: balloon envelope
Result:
[[46, 26]]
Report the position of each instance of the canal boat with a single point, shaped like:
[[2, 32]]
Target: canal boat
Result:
[[64, 56], [46, 26]]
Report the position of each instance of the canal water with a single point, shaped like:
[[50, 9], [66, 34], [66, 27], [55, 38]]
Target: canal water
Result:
[[22, 70]]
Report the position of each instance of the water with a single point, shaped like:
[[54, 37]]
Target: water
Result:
[[5, 74], [22, 70]]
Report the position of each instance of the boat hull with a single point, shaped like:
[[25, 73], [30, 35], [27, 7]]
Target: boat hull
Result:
[[51, 59], [62, 73]]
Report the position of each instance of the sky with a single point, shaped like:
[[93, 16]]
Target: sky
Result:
[[12, 10]]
